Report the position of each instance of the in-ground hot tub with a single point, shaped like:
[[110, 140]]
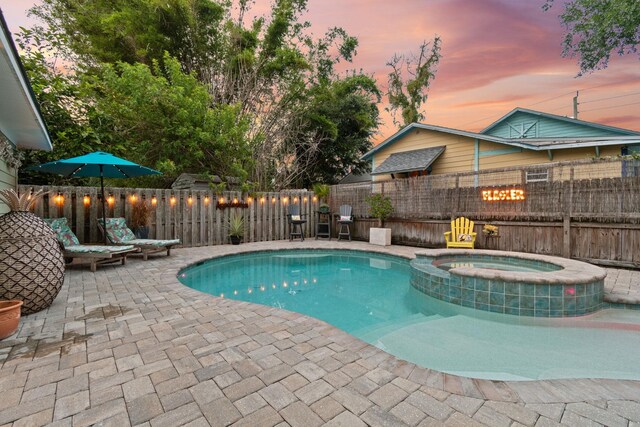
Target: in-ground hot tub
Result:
[[510, 282]]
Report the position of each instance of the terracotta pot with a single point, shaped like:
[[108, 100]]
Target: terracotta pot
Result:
[[9, 317]]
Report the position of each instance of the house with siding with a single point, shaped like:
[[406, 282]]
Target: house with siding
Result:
[[21, 123], [521, 138]]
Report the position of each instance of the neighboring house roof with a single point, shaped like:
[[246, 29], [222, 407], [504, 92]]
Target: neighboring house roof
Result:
[[398, 135], [568, 120], [194, 181], [409, 161], [20, 117], [572, 133], [353, 179]]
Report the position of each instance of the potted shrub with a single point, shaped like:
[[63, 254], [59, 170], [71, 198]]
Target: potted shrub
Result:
[[236, 228], [322, 192], [380, 207], [140, 216]]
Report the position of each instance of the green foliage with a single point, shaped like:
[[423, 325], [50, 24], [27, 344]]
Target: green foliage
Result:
[[380, 207], [66, 115], [162, 113], [595, 28], [321, 191], [194, 86], [409, 97], [218, 188], [236, 225], [134, 31], [339, 121]]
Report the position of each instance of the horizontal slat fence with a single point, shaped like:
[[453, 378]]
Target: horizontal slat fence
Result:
[[191, 216], [586, 210]]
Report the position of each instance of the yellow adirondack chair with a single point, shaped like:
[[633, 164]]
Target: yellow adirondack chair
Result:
[[460, 226]]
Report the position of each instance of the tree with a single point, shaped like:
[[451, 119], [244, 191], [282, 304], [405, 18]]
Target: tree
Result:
[[338, 124], [266, 69], [110, 31], [58, 95], [409, 97], [595, 28], [162, 114]]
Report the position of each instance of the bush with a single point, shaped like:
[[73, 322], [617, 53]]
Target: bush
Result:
[[380, 207]]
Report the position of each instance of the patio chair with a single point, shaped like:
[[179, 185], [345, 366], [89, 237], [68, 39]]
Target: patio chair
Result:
[[96, 254], [345, 219], [119, 234], [296, 220], [461, 234]]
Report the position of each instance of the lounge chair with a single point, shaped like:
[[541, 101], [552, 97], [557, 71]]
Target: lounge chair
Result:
[[96, 254], [345, 219], [296, 222], [119, 234], [461, 234]]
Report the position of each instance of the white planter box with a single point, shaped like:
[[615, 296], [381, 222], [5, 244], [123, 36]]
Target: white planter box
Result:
[[380, 236]]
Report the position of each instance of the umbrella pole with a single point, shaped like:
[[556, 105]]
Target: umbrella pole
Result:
[[104, 214]]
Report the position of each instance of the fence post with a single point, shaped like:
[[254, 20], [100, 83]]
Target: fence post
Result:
[[566, 220]]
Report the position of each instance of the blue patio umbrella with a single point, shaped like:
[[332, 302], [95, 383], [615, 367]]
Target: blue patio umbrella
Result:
[[98, 164]]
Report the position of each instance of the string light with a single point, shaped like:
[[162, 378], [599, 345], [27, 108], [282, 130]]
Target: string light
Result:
[[133, 198], [111, 200], [86, 200], [305, 199], [295, 200], [59, 199], [262, 200], [221, 200], [154, 200], [190, 200], [285, 200], [172, 201], [235, 200], [315, 199], [249, 199], [273, 200], [206, 200]]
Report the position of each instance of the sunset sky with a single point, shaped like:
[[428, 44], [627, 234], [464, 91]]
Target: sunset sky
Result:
[[496, 55]]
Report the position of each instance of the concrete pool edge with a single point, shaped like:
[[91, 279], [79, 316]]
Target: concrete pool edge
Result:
[[530, 392]]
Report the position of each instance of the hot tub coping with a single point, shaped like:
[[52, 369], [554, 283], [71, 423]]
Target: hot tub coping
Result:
[[573, 272]]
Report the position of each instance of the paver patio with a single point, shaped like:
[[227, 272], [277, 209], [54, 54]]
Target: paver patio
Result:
[[130, 345]]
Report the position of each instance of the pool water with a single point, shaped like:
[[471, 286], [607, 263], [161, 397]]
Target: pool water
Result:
[[369, 296]]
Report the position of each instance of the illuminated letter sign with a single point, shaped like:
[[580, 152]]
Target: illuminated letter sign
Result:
[[503, 195]]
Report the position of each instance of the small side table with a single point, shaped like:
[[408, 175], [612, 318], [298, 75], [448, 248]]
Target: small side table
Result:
[[323, 225], [491, 241]]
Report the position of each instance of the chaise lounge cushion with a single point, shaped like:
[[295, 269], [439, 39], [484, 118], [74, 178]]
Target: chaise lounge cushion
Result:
[[153, 242], [96, 249], [63, 232], [118, 232]]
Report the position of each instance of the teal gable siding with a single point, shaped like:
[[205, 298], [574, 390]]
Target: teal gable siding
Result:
[[535, 126]]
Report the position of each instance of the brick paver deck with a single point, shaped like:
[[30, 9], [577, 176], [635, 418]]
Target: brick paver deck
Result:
[[130, 345]]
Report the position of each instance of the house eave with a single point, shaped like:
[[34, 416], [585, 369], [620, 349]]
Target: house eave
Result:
[[20, 118]]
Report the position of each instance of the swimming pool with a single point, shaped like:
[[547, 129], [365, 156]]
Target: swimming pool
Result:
[[369, 295]]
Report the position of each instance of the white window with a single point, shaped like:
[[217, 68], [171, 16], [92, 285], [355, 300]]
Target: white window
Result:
[[537, 176]]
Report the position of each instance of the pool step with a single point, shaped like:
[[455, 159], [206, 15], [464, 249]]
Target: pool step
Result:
[[373, 333]]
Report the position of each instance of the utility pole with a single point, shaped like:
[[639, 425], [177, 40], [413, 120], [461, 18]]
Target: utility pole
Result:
[[575, 105]]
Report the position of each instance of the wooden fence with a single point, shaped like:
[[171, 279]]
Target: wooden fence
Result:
[[195, 217], [585, 210]]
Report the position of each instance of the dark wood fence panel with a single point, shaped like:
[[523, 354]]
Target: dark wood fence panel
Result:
[[192, 216]]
